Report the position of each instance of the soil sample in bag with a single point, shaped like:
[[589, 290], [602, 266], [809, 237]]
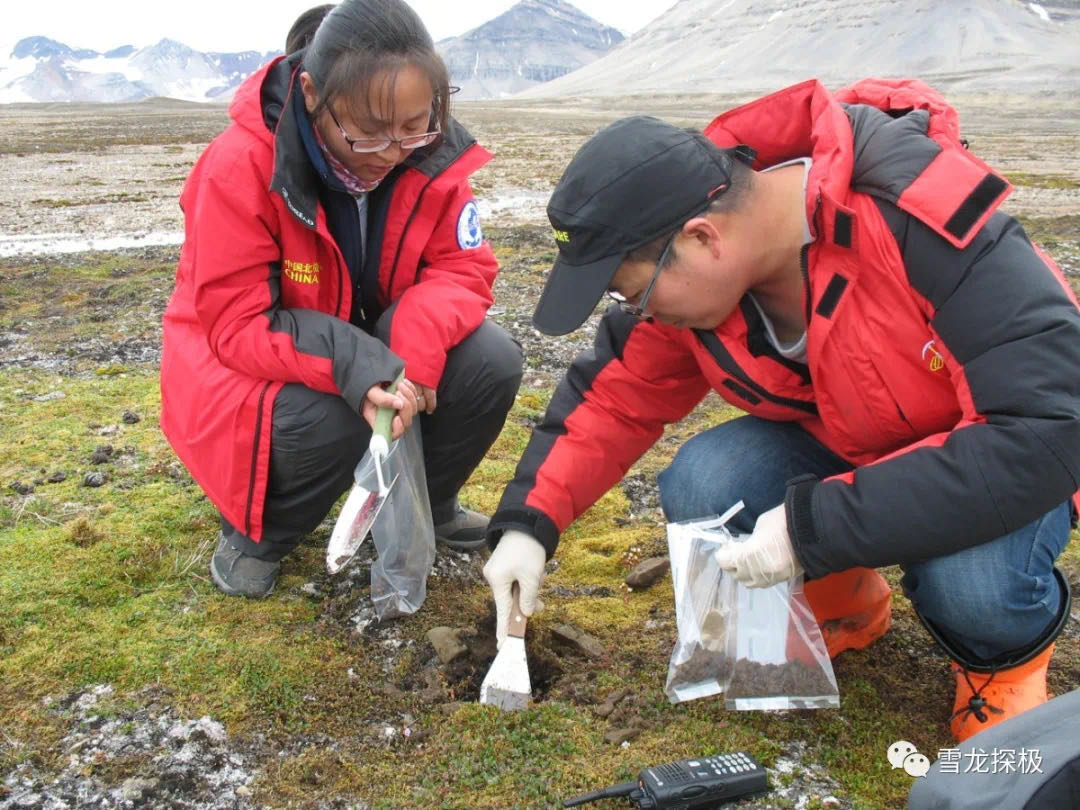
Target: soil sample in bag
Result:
[[793, 678], [701, 665]]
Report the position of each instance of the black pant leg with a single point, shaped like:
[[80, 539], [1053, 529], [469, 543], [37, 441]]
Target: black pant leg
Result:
[[316, 443], [317, 440], [475, 394], [476, 391]]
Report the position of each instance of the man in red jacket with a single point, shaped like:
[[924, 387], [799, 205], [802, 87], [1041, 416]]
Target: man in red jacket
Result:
[[833, 265], [332, 239]]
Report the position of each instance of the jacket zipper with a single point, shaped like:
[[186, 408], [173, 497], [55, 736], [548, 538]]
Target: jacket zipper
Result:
[[404, 232]]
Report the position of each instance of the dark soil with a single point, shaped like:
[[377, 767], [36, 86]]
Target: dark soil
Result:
[[794, 678]]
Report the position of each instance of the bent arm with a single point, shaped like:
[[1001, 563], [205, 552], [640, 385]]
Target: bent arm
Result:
[[1010, 330]]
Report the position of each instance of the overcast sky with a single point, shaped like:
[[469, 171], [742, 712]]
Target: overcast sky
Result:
[[239, 25]]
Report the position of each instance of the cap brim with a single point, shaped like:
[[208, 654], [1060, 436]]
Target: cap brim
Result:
[[571, 293]]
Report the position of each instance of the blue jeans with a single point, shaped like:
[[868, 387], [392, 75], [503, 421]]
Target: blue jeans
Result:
[[991, 599]]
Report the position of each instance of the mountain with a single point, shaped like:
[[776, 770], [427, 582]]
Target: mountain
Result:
[[745, 45], [41, 69], [533, 42]]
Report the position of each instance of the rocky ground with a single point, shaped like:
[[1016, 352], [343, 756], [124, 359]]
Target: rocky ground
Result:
[[80, 174]]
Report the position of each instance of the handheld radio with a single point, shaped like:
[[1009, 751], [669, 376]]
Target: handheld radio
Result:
[[689, 784]]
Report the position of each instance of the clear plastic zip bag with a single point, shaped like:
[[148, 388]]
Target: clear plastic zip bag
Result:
[[760, 648], [403, 532]]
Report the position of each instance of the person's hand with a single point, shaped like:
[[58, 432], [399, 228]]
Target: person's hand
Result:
[[520, 558], [404, 401], [766, 557], [426, 398]]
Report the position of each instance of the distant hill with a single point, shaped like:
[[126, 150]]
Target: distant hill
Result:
[[42, 69], [533, 42], [721, 45]]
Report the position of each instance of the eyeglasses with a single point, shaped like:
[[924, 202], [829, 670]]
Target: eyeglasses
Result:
[[638, 309], [365, 145]]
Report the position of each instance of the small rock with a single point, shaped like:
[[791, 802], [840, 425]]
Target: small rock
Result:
[[618, 736], [243, 791], [22, 489], [57, 477], [131, 418], [830, 801], [51, 396], [134, 788], [647, 572], [390, 690], [94, 479], [578, 640], [447, 643], [433, 692], [108, 430], [78, 746], [608, 706], [102, 454], [311, 589]]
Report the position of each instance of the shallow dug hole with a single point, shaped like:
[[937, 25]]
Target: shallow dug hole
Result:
[[464, 675], [412, 665]]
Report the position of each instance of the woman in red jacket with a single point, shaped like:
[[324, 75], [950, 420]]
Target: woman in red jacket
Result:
[[331, 238]]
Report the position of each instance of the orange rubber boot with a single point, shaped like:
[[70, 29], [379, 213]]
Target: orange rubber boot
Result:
[[852, 607], [984, 699]]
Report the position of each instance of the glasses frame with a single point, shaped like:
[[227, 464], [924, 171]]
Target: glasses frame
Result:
[[638, 309], [380, 144]]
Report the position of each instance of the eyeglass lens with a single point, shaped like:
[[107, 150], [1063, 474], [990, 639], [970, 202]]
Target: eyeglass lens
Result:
[[363, 145], [638, 309]]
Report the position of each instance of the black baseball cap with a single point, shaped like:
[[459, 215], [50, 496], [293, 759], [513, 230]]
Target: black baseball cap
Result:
[[632, 182]]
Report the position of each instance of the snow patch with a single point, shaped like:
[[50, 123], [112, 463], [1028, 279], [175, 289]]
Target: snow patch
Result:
[[519, 205], [39, 244], [1040, 11]]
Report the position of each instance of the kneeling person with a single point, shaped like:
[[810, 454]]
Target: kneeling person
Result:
[[332, 239], [909, 365]]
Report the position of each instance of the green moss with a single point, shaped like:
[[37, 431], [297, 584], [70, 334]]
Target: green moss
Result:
[[109, 584], [1043, 180]]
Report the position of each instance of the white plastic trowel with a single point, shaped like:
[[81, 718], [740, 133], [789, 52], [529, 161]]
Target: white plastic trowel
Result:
[[507, 683], [367, 496]]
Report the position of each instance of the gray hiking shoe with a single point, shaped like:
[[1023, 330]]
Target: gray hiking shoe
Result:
[[238, 574], [466, 531]]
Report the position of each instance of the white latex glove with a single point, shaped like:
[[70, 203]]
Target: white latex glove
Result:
[[518, 557], [766, 557]]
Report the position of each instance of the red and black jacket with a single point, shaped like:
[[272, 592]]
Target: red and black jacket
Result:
[[943, 348], [263, 294]]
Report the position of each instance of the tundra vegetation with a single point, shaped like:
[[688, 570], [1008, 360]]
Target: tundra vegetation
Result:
[[125, 675]]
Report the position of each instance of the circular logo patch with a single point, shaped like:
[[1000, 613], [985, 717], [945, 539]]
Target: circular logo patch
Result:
[[469, 234]]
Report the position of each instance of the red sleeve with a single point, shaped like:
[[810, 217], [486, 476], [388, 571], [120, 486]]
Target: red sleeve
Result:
[[608, 410]]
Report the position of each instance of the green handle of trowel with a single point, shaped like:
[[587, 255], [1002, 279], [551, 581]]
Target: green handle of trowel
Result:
[[384, 417]]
